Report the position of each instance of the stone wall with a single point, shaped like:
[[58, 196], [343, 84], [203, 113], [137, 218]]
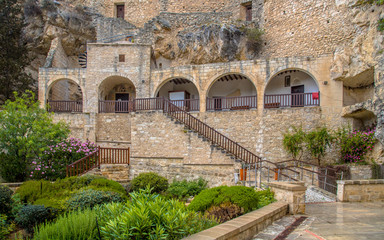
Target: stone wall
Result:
[[360, 172], [246, 226], [292, 194], [305, 28], [113, 127], [82, 125], [360, 190]]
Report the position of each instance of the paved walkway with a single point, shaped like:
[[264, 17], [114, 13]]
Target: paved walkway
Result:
[[334, 221]]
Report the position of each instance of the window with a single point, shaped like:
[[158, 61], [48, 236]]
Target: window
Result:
[[121, 58], [120, 11], [246, 11]]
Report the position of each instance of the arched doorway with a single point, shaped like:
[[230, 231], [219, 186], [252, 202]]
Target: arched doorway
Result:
[[65, 95], [232, 92], [291, 88], [182, 92], [116, 94]]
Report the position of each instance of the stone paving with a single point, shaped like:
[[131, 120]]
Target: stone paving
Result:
[[333, 221]]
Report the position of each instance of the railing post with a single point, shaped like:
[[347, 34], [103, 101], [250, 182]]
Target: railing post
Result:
[[313, 169], [325, 177], [260, 171]]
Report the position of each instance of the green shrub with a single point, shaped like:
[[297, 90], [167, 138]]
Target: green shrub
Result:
[[5, 200], [149, 216], [56, 195], [103, 184], [243, 197], [154, 181], [5, 228], [265, 197], [79, 225], [317, 142], [31, 215], [90, 198], [293, 142], [181, 189]]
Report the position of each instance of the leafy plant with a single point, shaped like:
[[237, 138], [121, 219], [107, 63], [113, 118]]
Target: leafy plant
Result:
[[31, 215], [242, 196], [53, 162], [149, 216], [354, 145], [79, 225], [293, 142], [153, 180], [25, 132], [5, 227], [317, 142], [265, 197], [182, 189], [5, 200], [253, 37], [90, 198], [57, 194]]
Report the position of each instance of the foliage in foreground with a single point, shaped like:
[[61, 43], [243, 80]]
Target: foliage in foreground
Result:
[[31, 215], [5, 200], [156, 182], [57, 194], [26, 131], [80, 225], [146, 216], [293, 142], [184, 188], [54, 161], [244, 197]]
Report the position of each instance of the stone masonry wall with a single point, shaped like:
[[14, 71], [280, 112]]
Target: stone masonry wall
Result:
[[113, 127], [305, 28], [82, 125]]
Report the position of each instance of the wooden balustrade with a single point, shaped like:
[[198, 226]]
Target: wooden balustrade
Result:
[[139, 104], [231, 103], [292, 100], [100, 156], [188, 105], [64, 106], [208, 132]]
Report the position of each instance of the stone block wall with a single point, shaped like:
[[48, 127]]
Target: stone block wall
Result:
[[360, 190], [113, 127], [292, 194], [82, 125], [360, 172]]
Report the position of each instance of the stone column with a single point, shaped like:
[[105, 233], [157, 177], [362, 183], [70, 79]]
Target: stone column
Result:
[[291, 193]]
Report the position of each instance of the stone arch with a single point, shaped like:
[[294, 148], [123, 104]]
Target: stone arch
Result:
[[111, 86], [291, 87], [178, 80], [181, 91], [231, 91], [65, 89], [231, 76]]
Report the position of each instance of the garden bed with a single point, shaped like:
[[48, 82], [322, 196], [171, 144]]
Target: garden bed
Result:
[[245, 226]]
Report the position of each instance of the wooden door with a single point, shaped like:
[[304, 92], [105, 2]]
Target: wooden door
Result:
[[120, 11], [297, 96], [217, 103], [248, 13], [122, 104]]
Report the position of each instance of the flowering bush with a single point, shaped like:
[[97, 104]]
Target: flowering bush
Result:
[[355, 145], [52, 164]]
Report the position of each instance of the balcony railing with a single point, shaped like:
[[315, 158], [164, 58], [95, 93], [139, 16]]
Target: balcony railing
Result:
[[292, 100], [188, 105], [64, 106], [140, 104], [231, 103]]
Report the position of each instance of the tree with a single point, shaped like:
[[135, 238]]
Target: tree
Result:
[[317, 142], [13, 52], [293, 142], [26, 131]]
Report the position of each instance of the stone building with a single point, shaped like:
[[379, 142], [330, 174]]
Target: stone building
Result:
[[307, 72]]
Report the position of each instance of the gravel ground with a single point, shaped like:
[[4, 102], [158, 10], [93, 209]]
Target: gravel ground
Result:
[[313, 195]]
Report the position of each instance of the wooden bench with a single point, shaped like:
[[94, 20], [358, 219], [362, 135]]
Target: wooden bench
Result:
[[272, 105], [240, 107]]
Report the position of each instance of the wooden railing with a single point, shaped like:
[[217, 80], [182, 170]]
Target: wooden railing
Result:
[[138, 104], [101, 156], [64, 106], [231, 103], [292, 100], [188, 105], [210, 133]]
